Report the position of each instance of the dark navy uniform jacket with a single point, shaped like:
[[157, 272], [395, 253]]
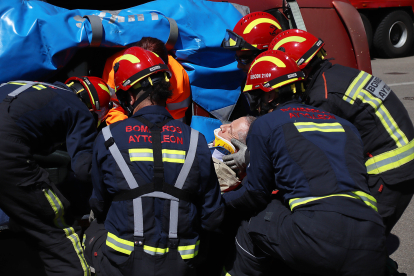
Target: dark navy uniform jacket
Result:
[[133, 138], [50, 115], [380, 117], [313, 157]]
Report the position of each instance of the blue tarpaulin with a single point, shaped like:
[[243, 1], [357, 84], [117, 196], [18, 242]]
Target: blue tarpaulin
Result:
[[37, 39]]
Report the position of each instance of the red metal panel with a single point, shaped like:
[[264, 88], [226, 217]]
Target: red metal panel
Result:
[[356, 32], [326, 24]]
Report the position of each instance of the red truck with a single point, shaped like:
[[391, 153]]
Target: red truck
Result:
[[389, 26]]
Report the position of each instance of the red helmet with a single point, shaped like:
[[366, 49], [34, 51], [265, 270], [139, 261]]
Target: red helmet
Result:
[[93, 92], [254, 32], [135, 65], [271, 70], [300, 45]]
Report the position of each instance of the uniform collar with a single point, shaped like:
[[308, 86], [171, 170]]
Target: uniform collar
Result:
[[152, 109]]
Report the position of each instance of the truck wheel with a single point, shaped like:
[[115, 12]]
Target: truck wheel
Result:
[[394, 35], [368, 29]]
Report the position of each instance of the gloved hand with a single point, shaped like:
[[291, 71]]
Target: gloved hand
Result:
[[238, 161]]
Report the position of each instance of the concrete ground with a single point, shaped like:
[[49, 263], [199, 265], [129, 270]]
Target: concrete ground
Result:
[[399, 75]]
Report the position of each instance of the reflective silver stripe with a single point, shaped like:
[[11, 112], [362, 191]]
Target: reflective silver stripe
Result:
[[21, 89], [173, 156], [182, 104], [318, 126], [130, 179], [351, 95], [119, 244], [188, 163], [300, 24], [380, 110], [141, 154], [123, 166]]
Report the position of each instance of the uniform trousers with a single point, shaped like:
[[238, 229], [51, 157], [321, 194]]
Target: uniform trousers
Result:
[[137, 263], [310, 242], [37, 208], [392, 200]]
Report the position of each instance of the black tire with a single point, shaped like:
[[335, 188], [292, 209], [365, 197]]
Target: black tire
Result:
[[394, 35], [368, 29]]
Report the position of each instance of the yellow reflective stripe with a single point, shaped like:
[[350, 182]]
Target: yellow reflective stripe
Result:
[[189, 251], [105, 88], [356, 85], [93, 100], [310, 199], [391, 159], [385, 117], [287, 40], [258, 21], [120, 245], [69, 231], [79, 251], [37, 86], [271, 59], [323, 127], [172, 156], [284, 82], [247, 87], [366, 198], [131, 58], [156, 250]]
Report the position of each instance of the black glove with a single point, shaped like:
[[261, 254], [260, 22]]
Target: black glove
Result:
[[239, 160]]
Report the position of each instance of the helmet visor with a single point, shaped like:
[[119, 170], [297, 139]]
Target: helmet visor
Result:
[[235, 42]]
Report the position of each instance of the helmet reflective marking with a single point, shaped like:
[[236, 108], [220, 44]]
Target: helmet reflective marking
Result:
[[289, 39], [258, 21], [274, 60], [131, 58]]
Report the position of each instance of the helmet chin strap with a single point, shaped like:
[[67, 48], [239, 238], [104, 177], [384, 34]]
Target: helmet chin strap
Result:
[[139, 100]]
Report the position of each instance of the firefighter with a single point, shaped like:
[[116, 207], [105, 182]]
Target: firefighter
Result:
[[154, 183], [251, 36], [36, 118], [327, 222], [375, 110], [177, 104]]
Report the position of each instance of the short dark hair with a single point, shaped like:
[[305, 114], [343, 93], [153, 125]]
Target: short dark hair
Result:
[[154, 45], [160, 90]]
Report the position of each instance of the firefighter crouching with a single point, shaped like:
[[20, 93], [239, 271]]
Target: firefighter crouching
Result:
[[327, 223], [366, 101], [154, 183], [36, 118]]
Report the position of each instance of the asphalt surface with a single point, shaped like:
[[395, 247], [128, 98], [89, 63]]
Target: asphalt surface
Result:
[[399, 75]]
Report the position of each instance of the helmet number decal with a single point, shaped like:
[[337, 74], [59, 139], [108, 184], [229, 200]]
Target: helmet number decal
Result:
[[273, 30]]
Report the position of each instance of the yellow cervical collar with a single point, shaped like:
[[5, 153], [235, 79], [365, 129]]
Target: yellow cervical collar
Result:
[[221, 142]]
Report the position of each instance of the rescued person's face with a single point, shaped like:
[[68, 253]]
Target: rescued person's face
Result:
[[233, 129]]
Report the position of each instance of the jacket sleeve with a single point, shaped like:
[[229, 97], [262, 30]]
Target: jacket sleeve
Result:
[[212, 206], [256, 189], [99, 194], [80, 134]]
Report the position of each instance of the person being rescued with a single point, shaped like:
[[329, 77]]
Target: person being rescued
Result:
[[229, 139]]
